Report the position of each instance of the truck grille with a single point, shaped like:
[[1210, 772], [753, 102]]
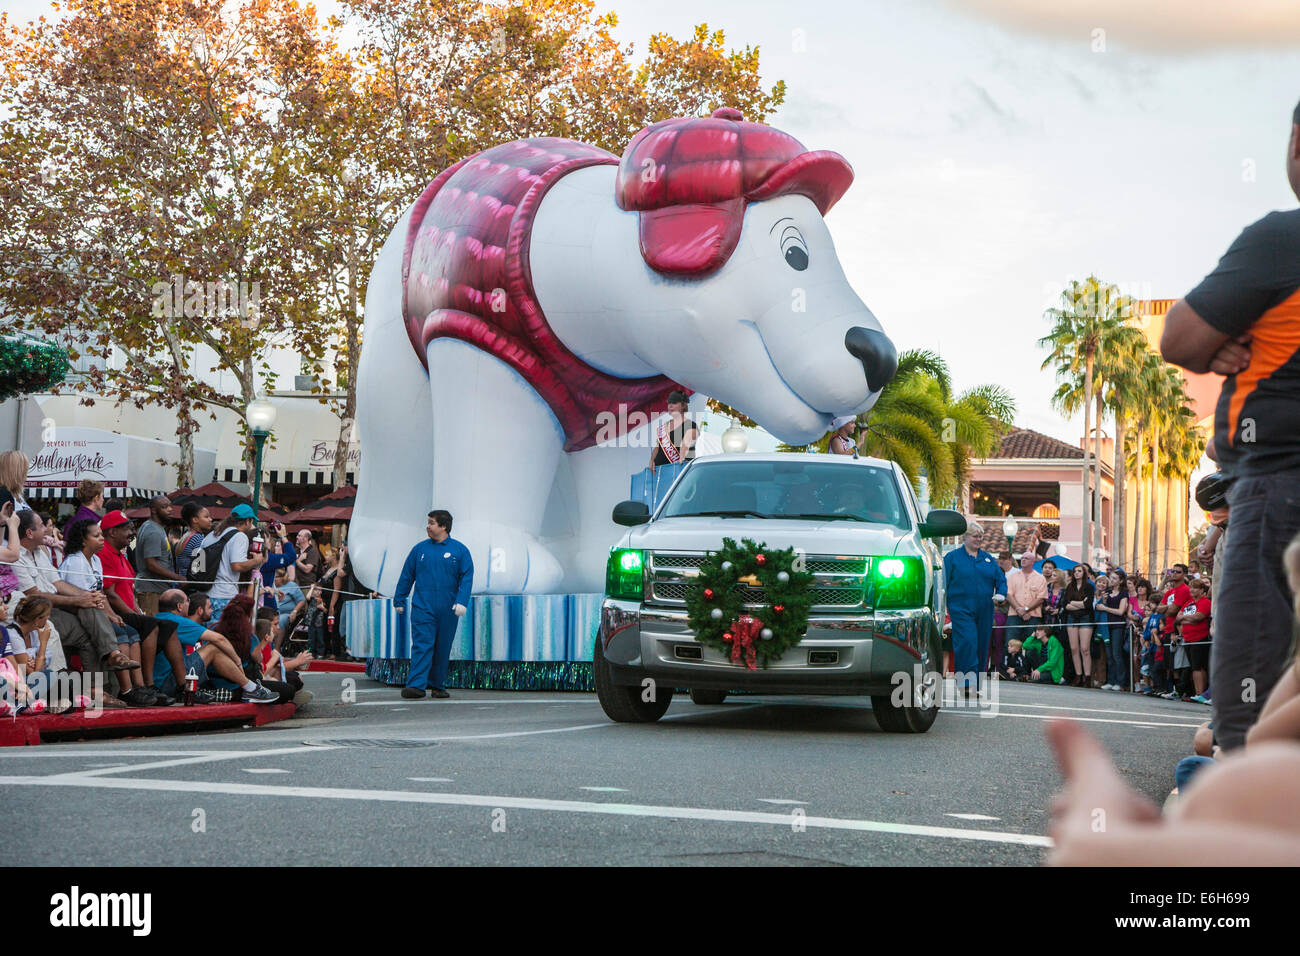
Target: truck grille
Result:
[[837, 585]]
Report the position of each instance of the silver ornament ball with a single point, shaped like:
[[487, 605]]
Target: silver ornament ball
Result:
[[716, 614], [726, 565], [765, 633], [783, 577]]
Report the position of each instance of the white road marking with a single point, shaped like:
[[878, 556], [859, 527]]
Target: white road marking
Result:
[[971, 816], [434, 702], [263, 770], [1098, 720], [431, 779], [782, 802], [206, 758], [605, 789], [528, 803], [1095, 710]]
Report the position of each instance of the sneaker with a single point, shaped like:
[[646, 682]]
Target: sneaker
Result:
[[412, 693], [260, 695], [136, 697], [204, 696], [439, 693]]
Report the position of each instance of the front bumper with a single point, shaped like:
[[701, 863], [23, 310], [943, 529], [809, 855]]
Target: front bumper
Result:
[[840, 654]]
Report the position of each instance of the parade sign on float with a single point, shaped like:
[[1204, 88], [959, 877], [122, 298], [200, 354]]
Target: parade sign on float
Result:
[[72, 455]]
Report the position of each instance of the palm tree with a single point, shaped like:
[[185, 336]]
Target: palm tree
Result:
[[919, 423], [1091, 313], [1172, 420], [1148, 377], [1119, 367]]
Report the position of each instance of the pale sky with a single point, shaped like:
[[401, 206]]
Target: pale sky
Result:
[[1003, 147]]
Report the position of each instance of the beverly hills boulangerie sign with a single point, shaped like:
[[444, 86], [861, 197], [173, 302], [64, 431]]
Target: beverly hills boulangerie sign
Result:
[[71, 455]]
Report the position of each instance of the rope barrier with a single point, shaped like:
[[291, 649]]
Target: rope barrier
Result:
[[186, 583]]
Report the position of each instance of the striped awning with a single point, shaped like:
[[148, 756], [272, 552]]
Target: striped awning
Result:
[[69, 494]]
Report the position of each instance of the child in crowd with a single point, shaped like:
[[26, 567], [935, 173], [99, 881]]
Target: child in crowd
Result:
[[1045, 657], [27, 655], [1013, 661], [1152, 651], [315, 619]]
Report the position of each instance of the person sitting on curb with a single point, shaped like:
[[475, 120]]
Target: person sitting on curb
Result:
[[190, 612], [1045, 657], [80, 616]]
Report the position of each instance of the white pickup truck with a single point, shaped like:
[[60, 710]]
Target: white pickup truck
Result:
[[877, 591]]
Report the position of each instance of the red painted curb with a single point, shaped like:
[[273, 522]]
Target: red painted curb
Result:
[[136, 721], [336, 667]]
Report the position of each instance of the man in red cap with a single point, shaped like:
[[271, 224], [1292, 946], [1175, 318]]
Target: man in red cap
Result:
[[119, 588]]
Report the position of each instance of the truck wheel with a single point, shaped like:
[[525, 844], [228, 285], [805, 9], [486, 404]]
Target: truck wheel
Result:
[[707, 698], [625, 704], [902, 720]]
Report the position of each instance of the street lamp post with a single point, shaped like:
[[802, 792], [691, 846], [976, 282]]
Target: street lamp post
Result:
[[260, 416]]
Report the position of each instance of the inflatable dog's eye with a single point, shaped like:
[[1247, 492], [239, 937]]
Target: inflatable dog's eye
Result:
[[794, 249]]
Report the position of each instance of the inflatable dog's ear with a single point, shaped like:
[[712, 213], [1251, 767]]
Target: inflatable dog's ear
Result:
[[689, 179]]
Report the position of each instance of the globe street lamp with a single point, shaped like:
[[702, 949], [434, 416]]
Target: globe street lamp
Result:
[[260, 416], [1009, 528], [734, 440]]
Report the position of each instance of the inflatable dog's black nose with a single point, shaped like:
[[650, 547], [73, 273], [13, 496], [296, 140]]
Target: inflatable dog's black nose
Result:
[[877, 354]]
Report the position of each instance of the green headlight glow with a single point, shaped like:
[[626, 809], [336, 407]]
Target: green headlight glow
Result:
[[624, 579], [892, 568], [897, 582]]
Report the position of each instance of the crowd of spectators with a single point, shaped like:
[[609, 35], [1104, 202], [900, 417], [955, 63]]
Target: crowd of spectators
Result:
[[142, 607], [1103, 628]]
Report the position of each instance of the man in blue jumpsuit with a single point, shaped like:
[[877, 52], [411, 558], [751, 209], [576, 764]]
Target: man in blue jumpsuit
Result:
[[972, 577], [441, 573]]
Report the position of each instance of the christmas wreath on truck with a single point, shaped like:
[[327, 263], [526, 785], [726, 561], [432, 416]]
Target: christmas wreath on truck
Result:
[[719, 602]]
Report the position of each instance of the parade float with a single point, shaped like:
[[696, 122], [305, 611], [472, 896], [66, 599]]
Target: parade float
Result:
[[525, 322]]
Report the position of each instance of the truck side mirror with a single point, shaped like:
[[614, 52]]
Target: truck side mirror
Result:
[[943, 523], [629, 513]]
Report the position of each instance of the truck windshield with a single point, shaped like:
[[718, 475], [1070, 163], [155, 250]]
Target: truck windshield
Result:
[[788, 490]]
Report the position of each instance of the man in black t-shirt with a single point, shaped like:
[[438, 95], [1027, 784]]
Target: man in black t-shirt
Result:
[[1243, 321]]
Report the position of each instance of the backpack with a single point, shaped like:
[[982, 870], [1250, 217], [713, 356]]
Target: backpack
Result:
[[206, 561]]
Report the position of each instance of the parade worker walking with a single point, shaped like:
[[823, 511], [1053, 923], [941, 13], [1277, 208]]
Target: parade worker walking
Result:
[[972, 579], [438, 575]]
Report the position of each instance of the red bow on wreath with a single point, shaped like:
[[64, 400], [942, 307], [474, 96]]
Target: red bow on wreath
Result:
[[743, 633]]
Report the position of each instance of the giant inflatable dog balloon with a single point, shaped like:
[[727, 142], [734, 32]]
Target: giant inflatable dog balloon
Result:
[[542, 297]]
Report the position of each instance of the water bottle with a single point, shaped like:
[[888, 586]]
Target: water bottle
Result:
[[191, 687]]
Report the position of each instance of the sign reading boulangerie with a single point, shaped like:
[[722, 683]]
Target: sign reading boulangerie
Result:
[[325, 453], [72, 455]]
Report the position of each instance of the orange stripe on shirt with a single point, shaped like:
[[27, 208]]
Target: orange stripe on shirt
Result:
[[1275, 338]]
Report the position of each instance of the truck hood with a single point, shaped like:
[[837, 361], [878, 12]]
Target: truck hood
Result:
[[814, 537]]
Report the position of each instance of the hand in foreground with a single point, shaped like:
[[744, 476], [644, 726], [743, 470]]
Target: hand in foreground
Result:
[[1233, 356], [459, 609], [1095, 800]]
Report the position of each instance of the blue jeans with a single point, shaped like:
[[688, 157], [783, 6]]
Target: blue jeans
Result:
[[1251, 645], [1186, 769], [316, 640], [1117, 657]]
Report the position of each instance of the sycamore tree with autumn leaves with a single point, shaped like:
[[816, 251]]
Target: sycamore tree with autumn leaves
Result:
[[260, 146]]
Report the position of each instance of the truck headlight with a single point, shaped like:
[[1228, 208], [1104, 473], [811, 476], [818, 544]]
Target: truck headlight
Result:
[[625, 574], [897, 582]]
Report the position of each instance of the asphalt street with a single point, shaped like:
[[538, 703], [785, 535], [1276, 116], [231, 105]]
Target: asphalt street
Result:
[[362, 777]]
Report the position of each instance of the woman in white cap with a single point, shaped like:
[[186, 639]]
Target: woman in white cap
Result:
[[843, 441]]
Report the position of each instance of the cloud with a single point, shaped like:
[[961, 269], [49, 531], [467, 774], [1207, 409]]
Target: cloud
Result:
[[1163, 26]]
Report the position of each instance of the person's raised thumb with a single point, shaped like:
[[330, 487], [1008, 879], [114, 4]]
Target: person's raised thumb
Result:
[[1077, 752]]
